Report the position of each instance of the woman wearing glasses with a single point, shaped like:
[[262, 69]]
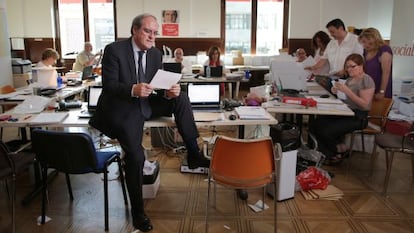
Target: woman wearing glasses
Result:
[[358, 91]]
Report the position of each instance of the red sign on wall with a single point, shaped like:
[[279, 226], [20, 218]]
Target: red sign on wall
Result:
[[170, 29]]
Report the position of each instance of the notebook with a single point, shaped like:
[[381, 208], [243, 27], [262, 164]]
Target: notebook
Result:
[[215, 71], [204, 96], [93, 95], [172, 67]]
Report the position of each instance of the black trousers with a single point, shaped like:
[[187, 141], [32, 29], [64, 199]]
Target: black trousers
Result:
[[330, 130], [131, 142]]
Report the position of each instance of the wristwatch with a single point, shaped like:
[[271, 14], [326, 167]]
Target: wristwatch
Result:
[[382, 91]]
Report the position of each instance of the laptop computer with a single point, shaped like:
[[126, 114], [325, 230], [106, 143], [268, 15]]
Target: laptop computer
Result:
[[204, 96], [87, 73], [93, 95], [215, 71], [172, 67]]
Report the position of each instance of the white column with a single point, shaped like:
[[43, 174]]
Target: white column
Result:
[[6, 76]]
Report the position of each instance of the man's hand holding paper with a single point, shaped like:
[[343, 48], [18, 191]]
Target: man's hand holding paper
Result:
[[165, 80], [174, 91]]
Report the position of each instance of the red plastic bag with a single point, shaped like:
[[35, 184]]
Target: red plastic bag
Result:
[[313, 178]]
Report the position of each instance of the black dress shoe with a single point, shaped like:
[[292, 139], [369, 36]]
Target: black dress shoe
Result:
[[195, 162], [143, 224]]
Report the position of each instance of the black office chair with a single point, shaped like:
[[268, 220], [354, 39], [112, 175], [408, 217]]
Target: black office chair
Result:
[[12, 164], [73, 153]]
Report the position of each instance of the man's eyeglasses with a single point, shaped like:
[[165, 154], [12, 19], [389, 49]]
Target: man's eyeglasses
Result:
[[148, 31]]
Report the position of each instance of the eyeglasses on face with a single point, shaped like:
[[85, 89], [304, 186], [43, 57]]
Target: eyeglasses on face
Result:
[[150, 32], [350, 67]]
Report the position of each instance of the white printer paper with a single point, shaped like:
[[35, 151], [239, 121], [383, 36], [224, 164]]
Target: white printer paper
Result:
[[165, 79]]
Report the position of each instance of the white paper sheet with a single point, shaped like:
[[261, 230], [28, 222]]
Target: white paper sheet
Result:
[[165, 79]]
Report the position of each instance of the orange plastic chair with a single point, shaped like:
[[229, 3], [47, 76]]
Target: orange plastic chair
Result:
[[242, 164], [5, 90]]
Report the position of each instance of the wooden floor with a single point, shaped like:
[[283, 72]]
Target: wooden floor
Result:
[[180, 203]]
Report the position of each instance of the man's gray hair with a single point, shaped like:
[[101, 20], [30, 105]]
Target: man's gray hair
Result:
[[137, 21]]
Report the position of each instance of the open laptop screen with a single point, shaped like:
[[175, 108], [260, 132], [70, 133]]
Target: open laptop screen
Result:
[[172, 67], [94, 93], [215, 71], [204, 95]]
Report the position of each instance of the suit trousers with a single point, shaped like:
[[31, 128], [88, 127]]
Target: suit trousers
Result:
[[130, 139]]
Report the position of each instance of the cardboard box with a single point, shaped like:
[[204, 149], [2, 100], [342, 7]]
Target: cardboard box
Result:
[[238, 61], [20, 80]]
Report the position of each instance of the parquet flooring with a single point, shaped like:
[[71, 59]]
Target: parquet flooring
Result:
[[180, 203]]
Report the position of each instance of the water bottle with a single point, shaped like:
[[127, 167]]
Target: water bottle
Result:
[[247, 74], [59, 81], [208, 72]]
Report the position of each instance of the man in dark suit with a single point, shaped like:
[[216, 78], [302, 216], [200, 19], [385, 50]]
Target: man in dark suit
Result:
[[127, 100]]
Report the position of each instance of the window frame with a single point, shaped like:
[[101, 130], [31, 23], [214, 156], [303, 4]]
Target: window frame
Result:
[[253, 32], [85, 6]]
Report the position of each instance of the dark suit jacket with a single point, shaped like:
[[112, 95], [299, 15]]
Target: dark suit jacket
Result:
[[117, 111]]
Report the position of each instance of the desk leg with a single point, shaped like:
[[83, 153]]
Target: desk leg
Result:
[[230, 87], [38, 184], [236, 92], [243, 195]]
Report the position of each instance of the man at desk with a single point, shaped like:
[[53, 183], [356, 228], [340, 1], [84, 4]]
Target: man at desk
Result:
[[85, 58], [127, 100], [179, 57]]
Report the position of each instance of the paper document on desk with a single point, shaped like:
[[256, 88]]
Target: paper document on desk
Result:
[[208, 116], [251, 113], [48, 118], [327, 100], [164, 79], [35, 104], [333, 107]]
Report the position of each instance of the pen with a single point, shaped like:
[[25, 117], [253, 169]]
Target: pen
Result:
[[27, 117]]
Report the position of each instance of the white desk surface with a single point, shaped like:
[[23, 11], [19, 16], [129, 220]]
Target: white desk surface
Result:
[[60, 94], [222, 79], [73, 120], [321, 109]]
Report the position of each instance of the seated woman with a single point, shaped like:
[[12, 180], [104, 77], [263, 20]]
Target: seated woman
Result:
[[213, 61], [359, 91]]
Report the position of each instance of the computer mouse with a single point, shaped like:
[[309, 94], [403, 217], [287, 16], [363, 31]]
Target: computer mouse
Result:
[[324, 96], [232, 117]]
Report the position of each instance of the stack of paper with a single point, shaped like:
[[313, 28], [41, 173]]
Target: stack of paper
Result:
[[331, 193], [251, 113]]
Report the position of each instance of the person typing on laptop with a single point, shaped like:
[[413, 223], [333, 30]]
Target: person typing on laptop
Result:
[[214, 61], [127, 101]]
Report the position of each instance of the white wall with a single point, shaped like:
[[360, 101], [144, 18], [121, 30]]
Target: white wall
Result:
[[5, 57], [28, 18], [310, 16], [197, 18], [402, 42]]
